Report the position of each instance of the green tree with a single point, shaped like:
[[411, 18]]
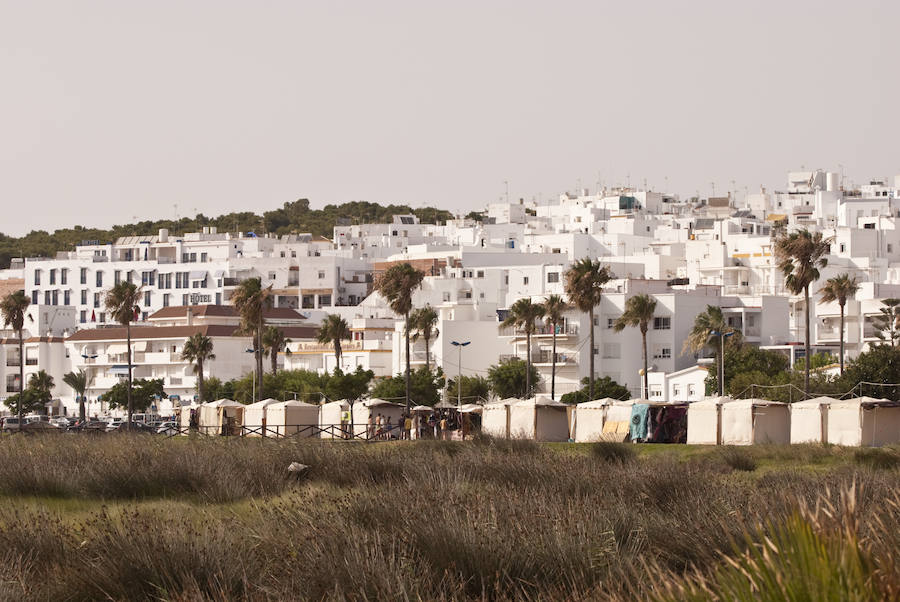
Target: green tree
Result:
[[198, 349], [523, 315], [839, 289], [509, 379], [819, 360], [638, 313], [143, 392], [603, 387], [888, 322], [473, 388], [554, 308], [584, 286], [707, 325], [122, 301], [332, 331], [880, 364], [78, 382], [424, 324], [13, 309], [215, 389], [274, 342], [739, 359], [800, 255], [42, 384], [350, 386], [251, 299], [397, 284], [425, 387], [28, 400]]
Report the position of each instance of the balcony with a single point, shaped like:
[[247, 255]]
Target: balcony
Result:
[[563, 330], [546, 357], [13, 362], [31, 361]]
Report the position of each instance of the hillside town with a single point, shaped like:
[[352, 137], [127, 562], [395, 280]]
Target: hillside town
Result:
[[684, 254]]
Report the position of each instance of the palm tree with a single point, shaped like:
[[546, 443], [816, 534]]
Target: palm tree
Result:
[[122, 301], [522, 315], [78, 381], [800, 255], [638, 312], [197, 350], [251, 299], [274, 342], [554, 307], [42, 384], [584, 286], [423, 322], [839, 289], [13, 309], [708, 324], [333, 330], [888, 322], [397, 284]]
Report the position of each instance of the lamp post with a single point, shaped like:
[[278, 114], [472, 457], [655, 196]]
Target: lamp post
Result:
[[251, 350], [459, 346], [87, 385], [721, 375]]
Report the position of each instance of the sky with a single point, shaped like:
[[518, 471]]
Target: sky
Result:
[[123, 110]]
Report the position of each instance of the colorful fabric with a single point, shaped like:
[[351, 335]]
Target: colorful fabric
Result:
[[639, 412]]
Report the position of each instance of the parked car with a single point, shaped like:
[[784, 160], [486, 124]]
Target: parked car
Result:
[[137, 427], [11, 423], [113, 423], [167, 428], [60, 422]]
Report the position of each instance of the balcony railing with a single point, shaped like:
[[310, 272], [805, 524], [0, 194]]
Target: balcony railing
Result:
[[31, 361], [13, 361], [546, 357], [561, 330]]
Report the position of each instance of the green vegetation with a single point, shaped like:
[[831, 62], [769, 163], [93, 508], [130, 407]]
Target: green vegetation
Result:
[[603, 387], [137, 517], [474, 389], [143, 392], [424, 387], [293, 217], [508, 378]]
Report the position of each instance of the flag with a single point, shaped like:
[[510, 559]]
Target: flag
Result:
[[93, 316], [137, 314]]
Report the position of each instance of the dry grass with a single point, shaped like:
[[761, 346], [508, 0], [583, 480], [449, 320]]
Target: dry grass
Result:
[[483, 520]]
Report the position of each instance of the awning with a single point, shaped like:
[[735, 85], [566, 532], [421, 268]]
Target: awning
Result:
[[198, 275], [776, 217], [219, 273], [140, 346], [119, 369], [116, 349]]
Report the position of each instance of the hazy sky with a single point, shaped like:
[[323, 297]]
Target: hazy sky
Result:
[[110, 110]]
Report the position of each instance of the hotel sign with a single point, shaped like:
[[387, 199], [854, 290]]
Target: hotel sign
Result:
[[197, 298]]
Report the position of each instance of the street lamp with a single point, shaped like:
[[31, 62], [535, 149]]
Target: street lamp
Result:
[[251, 350], [459, 346], [721, 375], [87, 409]]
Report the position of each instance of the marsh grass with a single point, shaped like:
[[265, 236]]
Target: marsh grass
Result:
[[489, 519]]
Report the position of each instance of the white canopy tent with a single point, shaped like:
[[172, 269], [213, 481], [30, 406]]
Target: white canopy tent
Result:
[[292, 417], [332, 416], [588, 418], [617, 421], [541, 420], [755, 421], [809, 420], [705, 421], [495, 417], [184, 415], [255, 417], [864, 421], [215, 414]]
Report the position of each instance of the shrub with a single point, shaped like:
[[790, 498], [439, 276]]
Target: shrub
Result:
[[738, 458], [876, 457], [611, 451]]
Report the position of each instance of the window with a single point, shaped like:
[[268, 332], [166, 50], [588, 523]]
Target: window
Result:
[[46, 297], [117, 276], [321, 274], [655, 392], [67, 297], [552, 277], [525, 280], [35, 296], [165, 299], [690, 390], [479, 274], [662, 323], [37, 277], [676, 391], [663, 353], [184, 299], [612, 350], [83, 275], [84, 297], [294, 254], [610, 323], [446, 297], [13, 384], [324, 300], [203, 257], [843, 247], [102, 317], [218, 298], [63, 276], [96, 299], [99, 279], [82, 317], [55, 298], [890, 248], [271, 275], [147, 278], [147, 298]]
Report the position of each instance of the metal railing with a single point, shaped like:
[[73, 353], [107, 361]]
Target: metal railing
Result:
[[359, 432]]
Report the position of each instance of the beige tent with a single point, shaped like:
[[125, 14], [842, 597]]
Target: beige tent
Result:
[[372, 407], [617, 421], [293, 417], [864, 421], [333, 417], [588, 418], [255, 418], [705, 421], [215, 414], [541, 420], [755, 421], [184, 416], [809, 420], [495, 417], [470, 408]]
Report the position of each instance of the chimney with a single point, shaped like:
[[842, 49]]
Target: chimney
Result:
[[190, 316]]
